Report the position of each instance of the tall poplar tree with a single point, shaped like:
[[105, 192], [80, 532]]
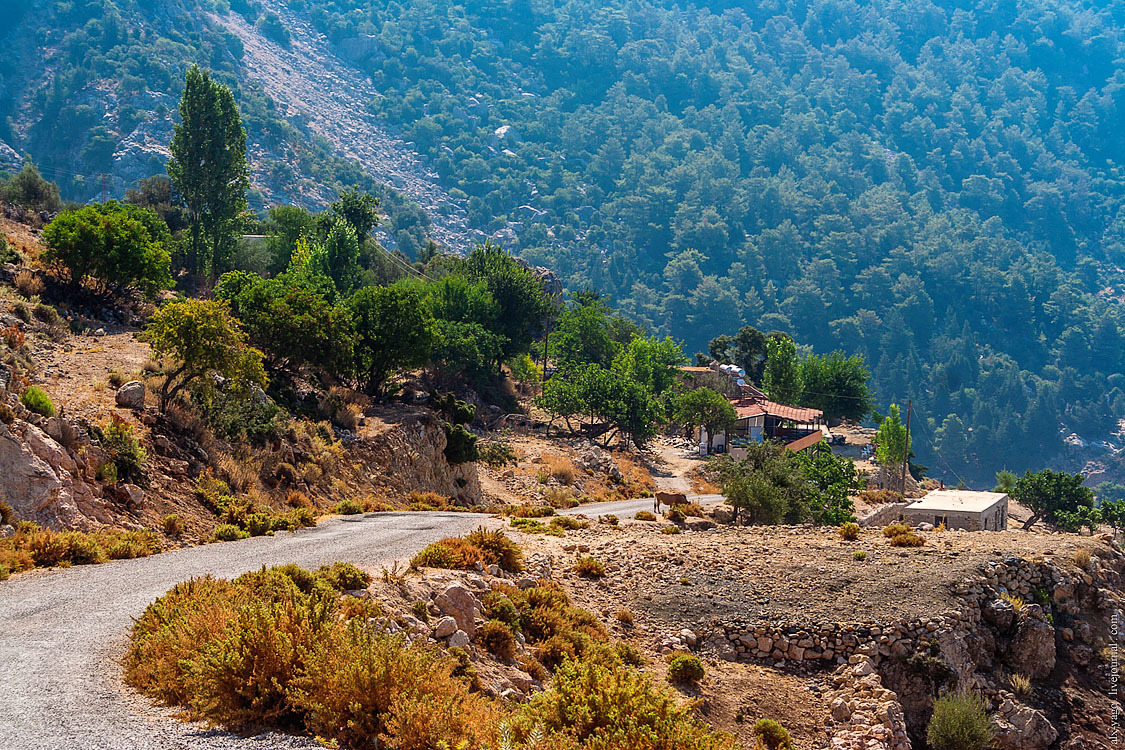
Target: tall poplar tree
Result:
[[208, 167]]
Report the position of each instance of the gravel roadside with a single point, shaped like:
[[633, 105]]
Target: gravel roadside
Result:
[[63, 631]]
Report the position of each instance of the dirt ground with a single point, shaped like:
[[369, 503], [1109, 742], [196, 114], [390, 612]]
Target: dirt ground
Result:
[[796, 575]]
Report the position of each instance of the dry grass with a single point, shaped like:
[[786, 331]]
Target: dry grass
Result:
[[562, 469], [694, 510], [560, 497], [637, 480], [1020, 684], [28, 284], [240, 474], [1083, 557]]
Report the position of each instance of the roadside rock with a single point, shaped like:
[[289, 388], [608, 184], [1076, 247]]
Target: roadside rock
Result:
[[458, 602], [723, 514]]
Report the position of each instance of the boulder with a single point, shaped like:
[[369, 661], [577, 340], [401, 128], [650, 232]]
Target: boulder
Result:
[[459, 603], [42, 482], [459, 639], [1032, 650], [723, 514], [131, 395], [1024, 729], [1001, 614], [445, 627], [699, 524]]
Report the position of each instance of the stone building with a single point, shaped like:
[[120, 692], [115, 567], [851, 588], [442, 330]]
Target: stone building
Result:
[[960, 509]]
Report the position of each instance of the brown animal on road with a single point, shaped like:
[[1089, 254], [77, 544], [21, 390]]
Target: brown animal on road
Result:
[[668, 498]]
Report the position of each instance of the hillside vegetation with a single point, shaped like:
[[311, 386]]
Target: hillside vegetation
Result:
[[940, 196]]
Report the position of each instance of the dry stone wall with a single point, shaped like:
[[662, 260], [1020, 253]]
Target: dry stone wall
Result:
[[964, 646]]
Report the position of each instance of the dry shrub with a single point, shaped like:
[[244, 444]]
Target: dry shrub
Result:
[[28, 284], [625, 616], [570, 523], [270, 649], [297, 499], [452, 552], [427, 500], [560, 497], [33, 545], [561, 468], [770, 735], [347, 508], [13, 337], [849, 531], [909, 539], [348, 416], [311, 473], [1020, 684], [498, 639], [693, 509], [671, 530], [1083, 557], [173, 525], [241, 475], [589, 567], [880, 497], [644, 515], [7, 515], [531, 511], [497, 549]]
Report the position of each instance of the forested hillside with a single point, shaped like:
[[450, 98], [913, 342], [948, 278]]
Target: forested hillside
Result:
[[934, 186]]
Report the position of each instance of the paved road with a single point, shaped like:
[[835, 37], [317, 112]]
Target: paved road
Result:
[[627, 508], [62, 632]]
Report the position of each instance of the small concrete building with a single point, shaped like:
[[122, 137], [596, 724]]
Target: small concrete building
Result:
[[960, 509]]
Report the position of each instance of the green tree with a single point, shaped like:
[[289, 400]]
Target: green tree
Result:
[[833, 480], [522, 303], [703, 407], [359, 210], [339, 257], [611, 403], [28, 188], [837, 385], [113, 243], [292, 324], [393, 330], [768, 486], [890, 439], [201, 338], [582, 336], [208, 167], [1005, 482], [463, 350], [782, 378], [284, 226], [455, 298], [651, 362], [1111, 503], [1048, 493]]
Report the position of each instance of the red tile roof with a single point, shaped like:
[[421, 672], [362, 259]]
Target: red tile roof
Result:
[[754, 407]]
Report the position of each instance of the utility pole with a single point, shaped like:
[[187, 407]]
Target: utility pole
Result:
[[906, 449]]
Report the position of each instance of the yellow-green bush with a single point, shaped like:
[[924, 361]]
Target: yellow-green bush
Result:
[[771, 735], [685, 668], [589, 567], [849, 531], [228, 532], [497, 638], [608, 705], [348, 508]]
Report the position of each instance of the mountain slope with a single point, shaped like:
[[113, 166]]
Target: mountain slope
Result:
[[937, 188]]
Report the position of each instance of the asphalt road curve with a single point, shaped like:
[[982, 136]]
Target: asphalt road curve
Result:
[[63, 631]]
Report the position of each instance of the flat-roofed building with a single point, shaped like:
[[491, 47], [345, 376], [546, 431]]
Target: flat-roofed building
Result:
[[960, 509]]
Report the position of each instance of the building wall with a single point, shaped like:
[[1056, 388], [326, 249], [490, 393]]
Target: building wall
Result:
[[993, 519]]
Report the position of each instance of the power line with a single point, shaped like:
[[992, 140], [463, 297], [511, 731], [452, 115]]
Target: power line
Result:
[[938, 453]]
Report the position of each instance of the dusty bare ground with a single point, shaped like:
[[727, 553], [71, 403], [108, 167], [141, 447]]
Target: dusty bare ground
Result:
[[782, 574], [557, 467]]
